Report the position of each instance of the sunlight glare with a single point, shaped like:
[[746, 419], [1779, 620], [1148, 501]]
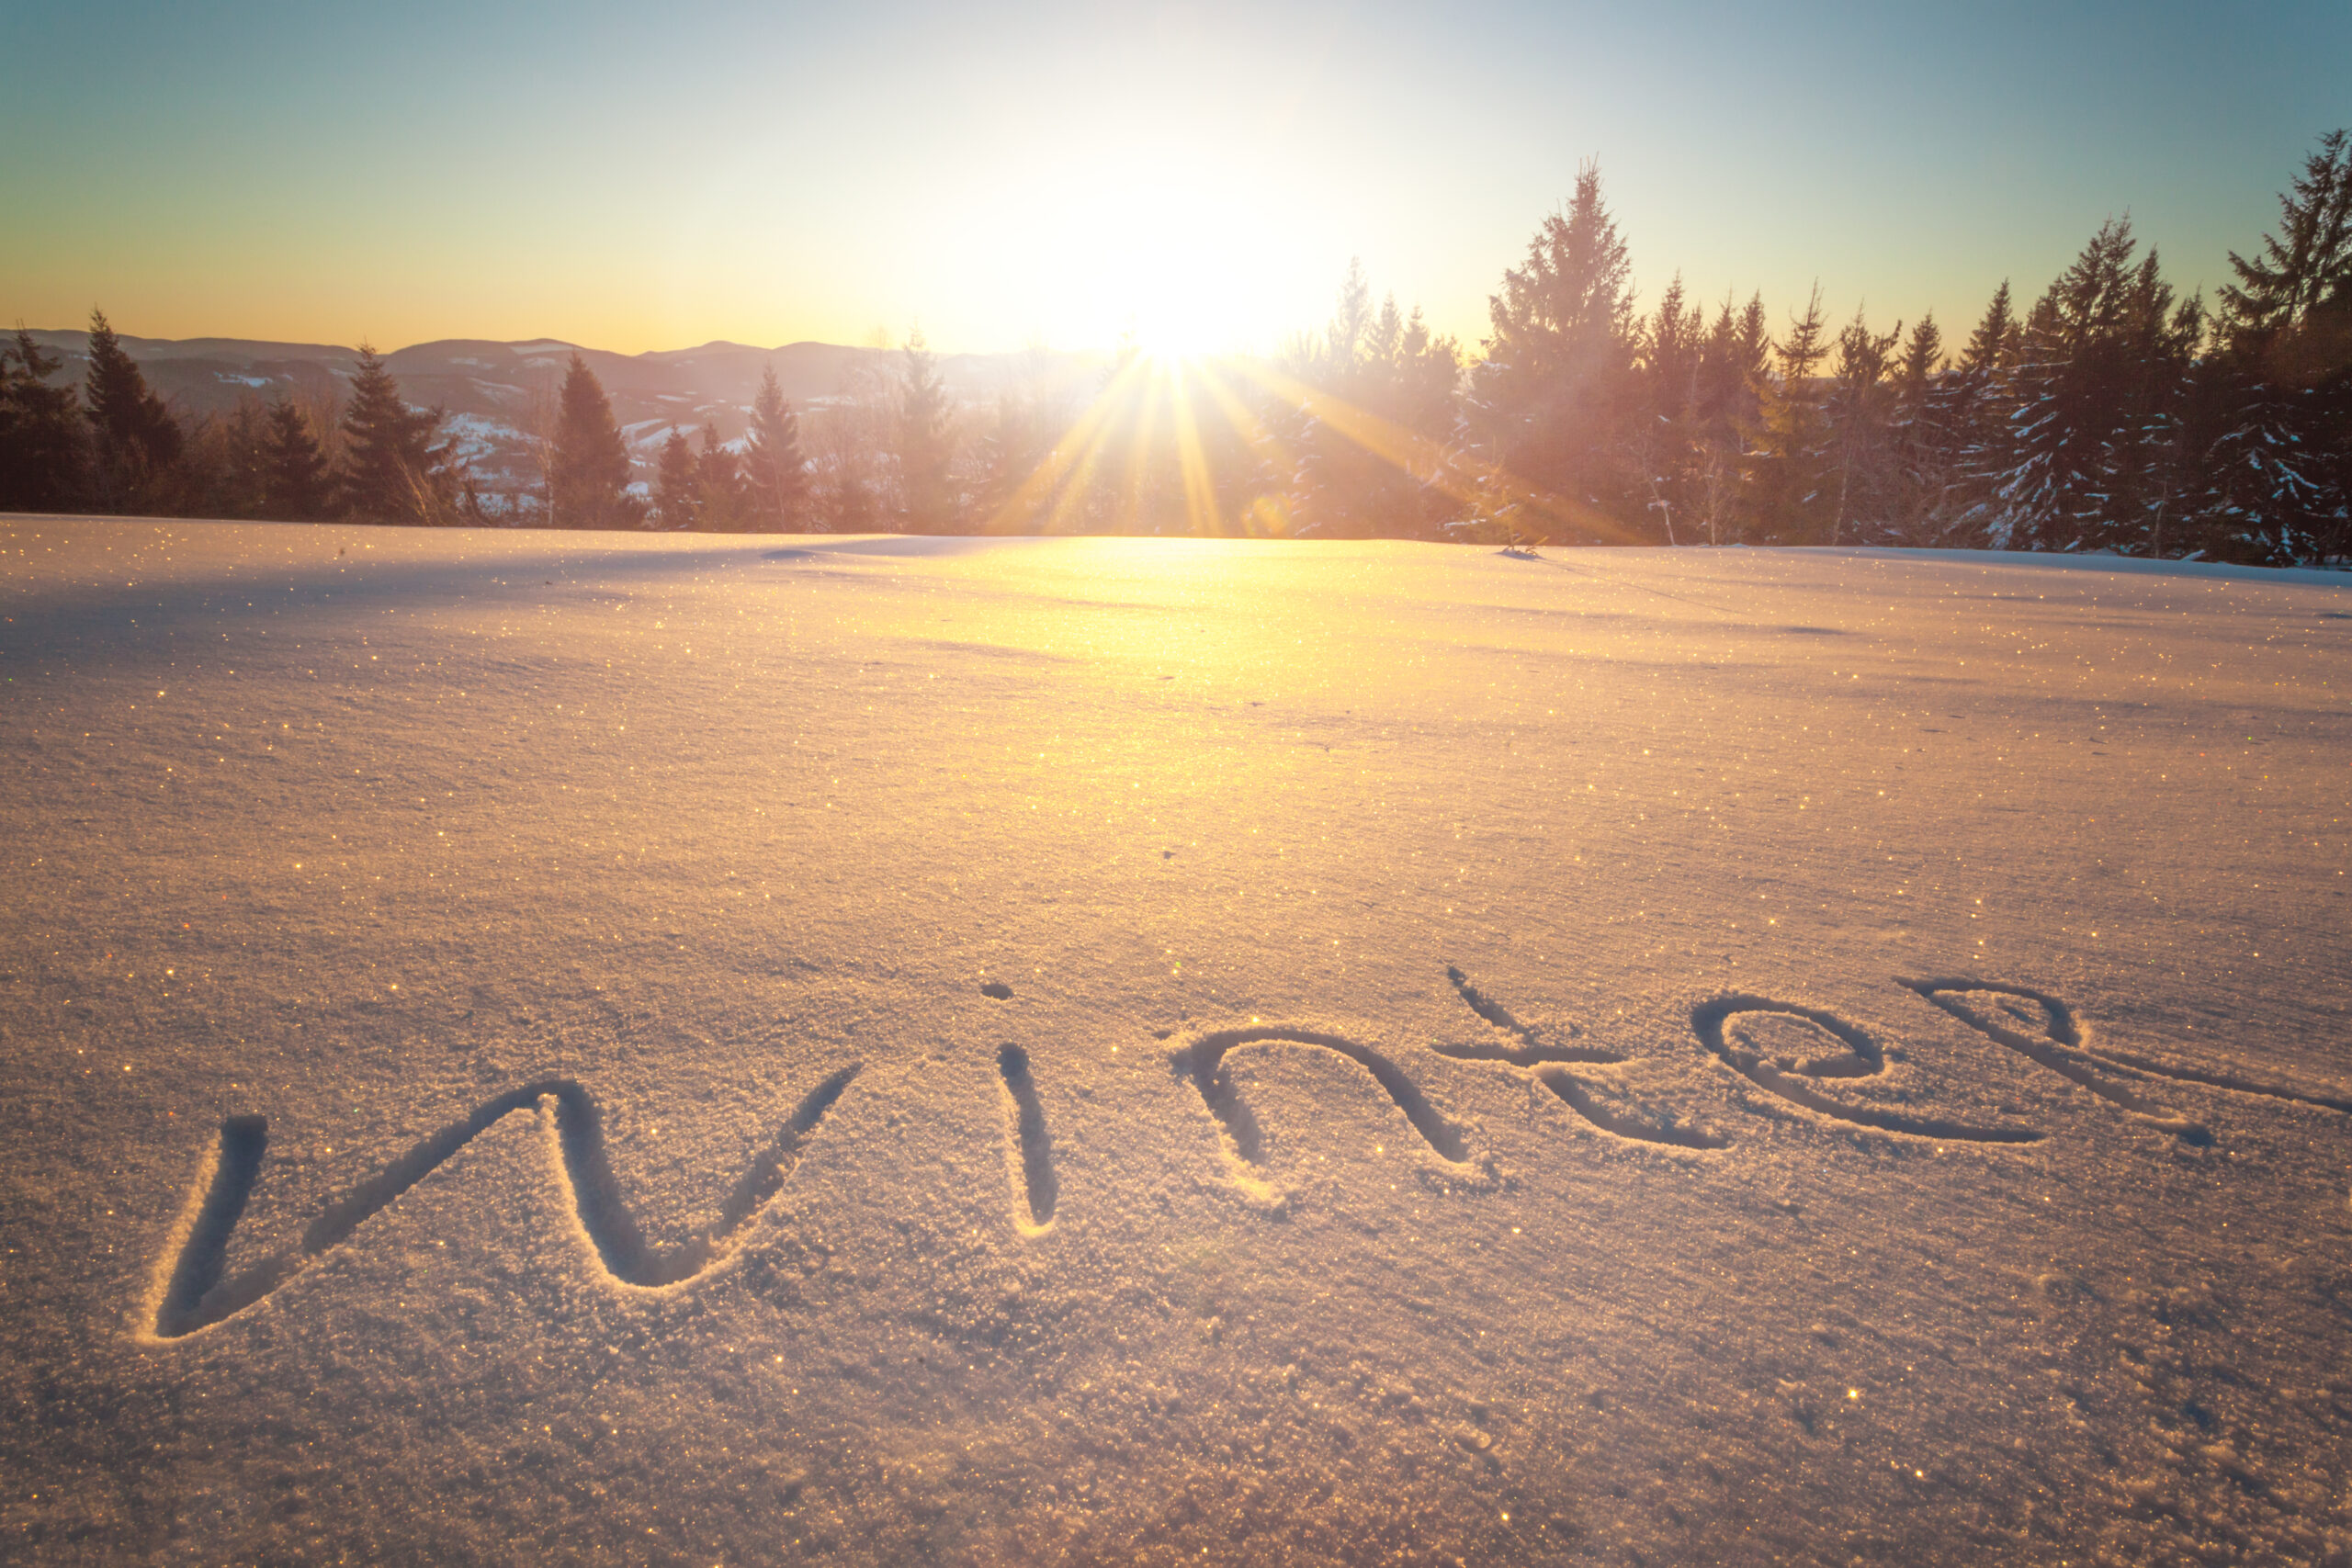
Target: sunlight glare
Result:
[[1161, 244]]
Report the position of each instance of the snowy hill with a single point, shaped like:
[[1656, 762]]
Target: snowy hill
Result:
[[497, 393]]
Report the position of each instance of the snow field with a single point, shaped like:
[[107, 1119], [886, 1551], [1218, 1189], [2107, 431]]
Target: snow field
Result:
[[1625, 1056]]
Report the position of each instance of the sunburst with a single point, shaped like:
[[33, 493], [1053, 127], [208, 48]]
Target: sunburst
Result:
[[1177, 442]]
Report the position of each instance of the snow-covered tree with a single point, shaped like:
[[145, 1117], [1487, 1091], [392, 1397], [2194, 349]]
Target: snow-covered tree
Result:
[[2278, 475], [2092, 401]]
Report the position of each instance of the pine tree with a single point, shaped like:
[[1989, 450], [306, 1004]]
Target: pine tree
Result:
[[135, 442], [295, 484], [2104, 357], [1861, 410], [924, 450], [225, 467], [677, 495], [1553, 392], [1008, 452], [2278, 472], [1666, 444], [776, 468], [1731, 367], [393, 470], [2298, 269], [1370, 370], [1789, 464], [44, 441], [1928, 441], [722, 502], [1992, 345], [1923, 355], [588, 469], [1976, 400]]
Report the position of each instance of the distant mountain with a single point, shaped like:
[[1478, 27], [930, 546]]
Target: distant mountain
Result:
[[495, 393]]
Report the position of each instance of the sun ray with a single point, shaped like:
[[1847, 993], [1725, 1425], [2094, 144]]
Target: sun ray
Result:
[[1262, 443], [1122, 427], [1455, 474], [1201, 516], [1139, 452], [1069, 503], [1065, 466]]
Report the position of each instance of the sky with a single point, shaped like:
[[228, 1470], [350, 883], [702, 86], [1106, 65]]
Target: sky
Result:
[[638, 178]]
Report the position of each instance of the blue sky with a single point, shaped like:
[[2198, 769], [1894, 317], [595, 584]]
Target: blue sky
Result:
[[638, 178]]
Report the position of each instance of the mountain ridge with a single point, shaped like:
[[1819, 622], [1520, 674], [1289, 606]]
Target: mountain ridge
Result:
[[498, 392]]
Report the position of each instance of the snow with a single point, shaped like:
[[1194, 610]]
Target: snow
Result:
[[477, 437], [651, 435], [992, 1050]]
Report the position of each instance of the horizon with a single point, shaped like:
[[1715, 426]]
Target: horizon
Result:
[[1197, 178], [543, 339]]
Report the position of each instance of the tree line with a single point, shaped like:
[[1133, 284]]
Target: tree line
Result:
[[2111, 413], [113, 445]]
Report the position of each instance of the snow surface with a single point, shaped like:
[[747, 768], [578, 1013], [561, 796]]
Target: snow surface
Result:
[[477, 437], [1006, 1051]]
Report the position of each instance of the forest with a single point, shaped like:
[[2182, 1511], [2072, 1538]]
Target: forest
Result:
[[2108, 413]]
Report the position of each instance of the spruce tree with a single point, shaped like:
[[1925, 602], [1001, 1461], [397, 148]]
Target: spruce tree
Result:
[[1731, 366], [775, 469], [1861, 413], [1923, 353], [44, 441], [226, 466], [2297, 269], [2277, 473], [1665, 440], [1379, 362], [852, 440], [588, 469], [677, 495], [925, 451], [135, 442], [1976, 400], [393, 470], [1926, 440], [1789, 457], [295, 484], [1553, 392], [2103, 362], [722, 500], [1008, 453], [1992, 345]]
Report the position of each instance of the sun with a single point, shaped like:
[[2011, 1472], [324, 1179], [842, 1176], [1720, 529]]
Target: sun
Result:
[[1182, 302], [1183, 329], [1179, 246]]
